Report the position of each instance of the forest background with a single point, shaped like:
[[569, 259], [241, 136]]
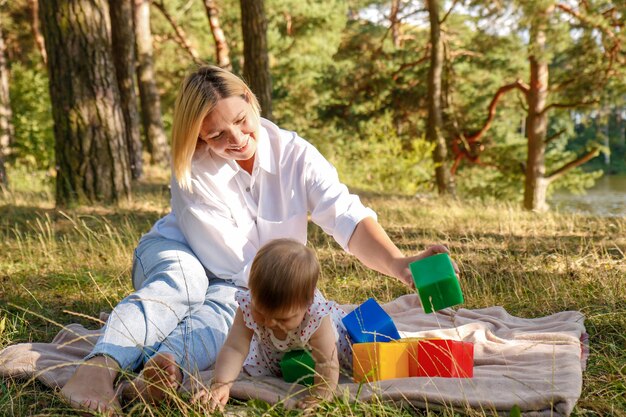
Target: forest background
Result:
[[354, 77], [498, 103]]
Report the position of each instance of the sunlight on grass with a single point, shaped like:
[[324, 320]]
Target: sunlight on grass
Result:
[[58, 267]]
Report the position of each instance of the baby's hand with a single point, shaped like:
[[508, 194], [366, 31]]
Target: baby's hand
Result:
[[308, 404], [216, 397], [201, 395]]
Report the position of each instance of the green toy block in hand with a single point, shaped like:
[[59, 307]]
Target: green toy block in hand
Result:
[[436, 282], [298, 366]]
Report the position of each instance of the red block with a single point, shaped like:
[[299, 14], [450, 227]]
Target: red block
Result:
[[445, 358]]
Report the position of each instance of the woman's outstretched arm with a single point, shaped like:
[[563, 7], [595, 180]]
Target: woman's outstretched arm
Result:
[[373, 247]]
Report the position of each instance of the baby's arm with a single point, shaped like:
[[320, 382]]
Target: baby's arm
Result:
[[324, 350], [228, 365]]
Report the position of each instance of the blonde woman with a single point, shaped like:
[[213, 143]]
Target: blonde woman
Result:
[[239, 181]]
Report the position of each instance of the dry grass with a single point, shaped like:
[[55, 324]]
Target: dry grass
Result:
[[54, 263]]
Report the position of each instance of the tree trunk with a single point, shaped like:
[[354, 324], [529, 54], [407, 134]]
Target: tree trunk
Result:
[[434, 124], [222, 52], [156, 140], [91, 154], [256, 62], [395, 22], [602, 131], [35, 26], [536, 184], [123, 40], [6, 125], [621, 127]]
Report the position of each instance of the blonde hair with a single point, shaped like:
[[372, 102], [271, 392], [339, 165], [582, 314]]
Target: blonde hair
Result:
[[283, 275], [198, 95]]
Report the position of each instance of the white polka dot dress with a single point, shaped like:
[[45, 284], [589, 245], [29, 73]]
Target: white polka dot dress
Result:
[[266, 350]]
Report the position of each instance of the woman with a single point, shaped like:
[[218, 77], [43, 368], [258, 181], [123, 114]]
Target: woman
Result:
[[238, 182]]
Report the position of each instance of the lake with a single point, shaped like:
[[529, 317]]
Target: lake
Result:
[[606, 198]]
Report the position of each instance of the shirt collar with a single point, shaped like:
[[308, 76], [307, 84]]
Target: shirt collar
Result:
[[263, 158]]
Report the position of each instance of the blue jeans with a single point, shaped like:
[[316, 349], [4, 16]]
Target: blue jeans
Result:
[[178, 307]]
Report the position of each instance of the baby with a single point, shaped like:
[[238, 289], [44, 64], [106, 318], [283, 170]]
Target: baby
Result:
[[282, 311]]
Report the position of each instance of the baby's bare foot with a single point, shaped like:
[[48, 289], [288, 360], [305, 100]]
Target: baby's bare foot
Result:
[[160, 376], [91, 386]]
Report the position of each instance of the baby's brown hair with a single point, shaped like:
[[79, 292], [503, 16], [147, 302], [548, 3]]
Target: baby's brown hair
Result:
[[283, 276]]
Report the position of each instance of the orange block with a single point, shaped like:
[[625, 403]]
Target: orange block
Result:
[[378, 361]]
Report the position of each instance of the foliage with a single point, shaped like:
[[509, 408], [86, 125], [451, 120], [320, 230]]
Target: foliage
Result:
[[380, 160], [33, 145], [303, 37], [336, 74]]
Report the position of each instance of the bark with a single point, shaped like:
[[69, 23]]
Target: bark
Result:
[[256, 61], [535, 185], [434, 123], [222, 52], [156, 140], [602, 131], [123, 40], [91, 154], [395, 22], [6, 125], [35, 25], [621, 127]]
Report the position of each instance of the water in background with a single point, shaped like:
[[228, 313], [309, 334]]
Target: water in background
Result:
[[606, 198]]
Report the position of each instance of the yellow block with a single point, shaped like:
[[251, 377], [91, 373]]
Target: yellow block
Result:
[[380, 360], [411, 346]]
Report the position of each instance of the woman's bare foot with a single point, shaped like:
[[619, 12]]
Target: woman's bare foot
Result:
[[91, 386], [160, 376]]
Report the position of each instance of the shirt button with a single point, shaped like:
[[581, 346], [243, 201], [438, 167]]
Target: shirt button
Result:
[[248, 189]]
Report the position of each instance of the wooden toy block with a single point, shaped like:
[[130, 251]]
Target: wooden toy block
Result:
[[298, 366], [369, 323], [379, 361], [436, 282], [444, 358]]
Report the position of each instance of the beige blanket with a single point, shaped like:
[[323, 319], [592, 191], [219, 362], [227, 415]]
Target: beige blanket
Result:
[[535, 364]]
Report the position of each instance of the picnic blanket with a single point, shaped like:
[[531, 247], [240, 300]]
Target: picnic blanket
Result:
[[534, 364]]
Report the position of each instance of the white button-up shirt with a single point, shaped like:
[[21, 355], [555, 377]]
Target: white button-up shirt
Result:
[[230, 214]]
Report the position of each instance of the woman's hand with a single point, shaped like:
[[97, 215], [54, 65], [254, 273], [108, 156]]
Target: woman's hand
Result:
[[400, 266]]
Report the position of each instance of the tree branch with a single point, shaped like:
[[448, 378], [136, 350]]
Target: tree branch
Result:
[[470, 141], [222, 51], [568, 105], [554, 136], [181, 36], [571, 165], [406, 65], [463, 52], [448, 12], [518, 84], [584, 19]]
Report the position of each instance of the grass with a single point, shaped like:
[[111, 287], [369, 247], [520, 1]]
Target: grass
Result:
[[55, 264]]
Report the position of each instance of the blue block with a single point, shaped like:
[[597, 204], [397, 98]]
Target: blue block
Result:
[[369, 323]]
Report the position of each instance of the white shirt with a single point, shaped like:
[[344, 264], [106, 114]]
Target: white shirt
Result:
[[230, 214]]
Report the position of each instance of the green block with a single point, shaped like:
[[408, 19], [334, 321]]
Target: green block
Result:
[[436, 282], [298, 366]]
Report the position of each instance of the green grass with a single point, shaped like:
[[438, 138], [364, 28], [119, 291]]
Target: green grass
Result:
[[54, 264]]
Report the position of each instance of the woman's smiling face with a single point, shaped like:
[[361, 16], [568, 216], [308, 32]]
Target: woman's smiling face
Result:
[[230, 129]]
